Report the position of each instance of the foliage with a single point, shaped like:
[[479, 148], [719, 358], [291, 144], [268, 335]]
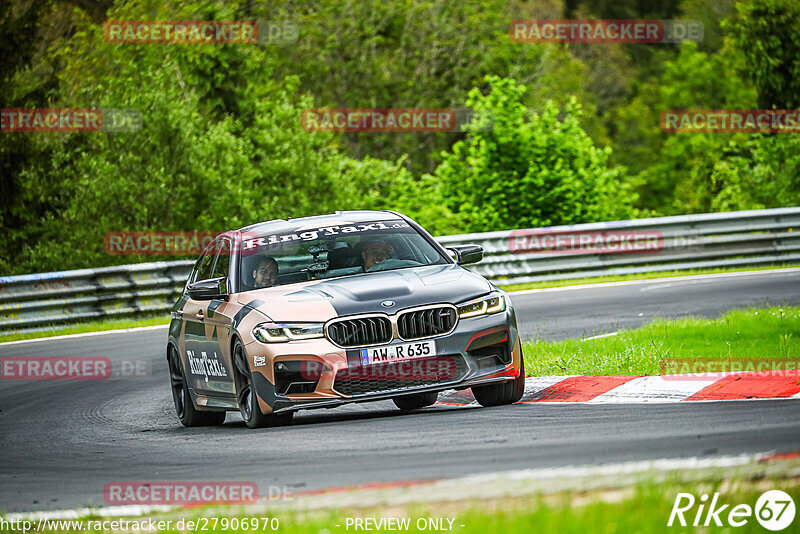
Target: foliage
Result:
[[513, 171], [709, 172], [404, 53], [210, 155], [766, 33], [569, 134]]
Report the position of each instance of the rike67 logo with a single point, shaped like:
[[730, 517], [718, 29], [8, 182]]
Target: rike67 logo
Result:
[[774, 510]]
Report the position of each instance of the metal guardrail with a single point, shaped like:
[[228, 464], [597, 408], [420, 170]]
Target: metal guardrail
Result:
[[730, 239], [35, 302], [761, 237]]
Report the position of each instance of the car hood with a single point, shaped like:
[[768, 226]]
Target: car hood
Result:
[[321, 300]]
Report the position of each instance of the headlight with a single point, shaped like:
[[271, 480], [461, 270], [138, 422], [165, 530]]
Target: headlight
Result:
[[283, 332], [491, 303]]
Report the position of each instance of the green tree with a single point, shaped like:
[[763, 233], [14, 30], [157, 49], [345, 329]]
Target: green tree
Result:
[[675, 169], [414, 54], [766, 32], [210, 155], [513, 171]]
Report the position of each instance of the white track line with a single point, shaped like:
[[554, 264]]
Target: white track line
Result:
[[600, 336], [87, 334], [666, 464], [675, 279], [102, 511]]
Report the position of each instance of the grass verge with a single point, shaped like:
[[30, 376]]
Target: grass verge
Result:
[[642, 506], [752, 333]]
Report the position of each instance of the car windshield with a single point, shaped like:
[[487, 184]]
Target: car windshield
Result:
[[327, 252]]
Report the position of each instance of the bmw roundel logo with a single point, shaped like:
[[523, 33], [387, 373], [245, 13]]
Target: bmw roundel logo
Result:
[[387, 303]]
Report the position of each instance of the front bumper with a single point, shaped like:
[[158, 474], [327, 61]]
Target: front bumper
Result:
[[486, 348]]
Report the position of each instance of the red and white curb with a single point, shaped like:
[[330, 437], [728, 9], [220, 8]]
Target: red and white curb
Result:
[[621, 389]]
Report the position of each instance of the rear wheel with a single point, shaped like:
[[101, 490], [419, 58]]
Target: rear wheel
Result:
[[184, 407], [246, 395], [416, 401], [507, 392]]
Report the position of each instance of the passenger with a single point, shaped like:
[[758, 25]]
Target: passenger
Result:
[[266, 273], [374, 253]]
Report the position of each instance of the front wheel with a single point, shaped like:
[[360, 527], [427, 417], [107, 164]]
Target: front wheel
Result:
[[416, 401], [246, 395], [184, 407], [507, 392]]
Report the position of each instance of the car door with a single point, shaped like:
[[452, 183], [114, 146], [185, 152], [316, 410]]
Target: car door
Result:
[[218, 321], [194, 313]]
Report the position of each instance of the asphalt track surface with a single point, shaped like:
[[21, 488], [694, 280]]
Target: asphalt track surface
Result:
[[62, 441]]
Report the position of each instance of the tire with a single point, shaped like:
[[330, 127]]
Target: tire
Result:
[[507, 392], [416, 401], [184, 407], [246, 395]]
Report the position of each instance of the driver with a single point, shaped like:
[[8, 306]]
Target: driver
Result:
[[266, 272], [374, 253]]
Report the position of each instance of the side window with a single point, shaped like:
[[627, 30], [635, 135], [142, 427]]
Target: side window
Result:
[[222, 268], [192, 275], [206, 264]]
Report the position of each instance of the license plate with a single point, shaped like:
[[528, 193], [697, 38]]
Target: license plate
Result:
[[401, 351]]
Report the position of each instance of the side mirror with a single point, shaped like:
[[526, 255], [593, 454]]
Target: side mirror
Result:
[[213, 288], [466, 254]]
